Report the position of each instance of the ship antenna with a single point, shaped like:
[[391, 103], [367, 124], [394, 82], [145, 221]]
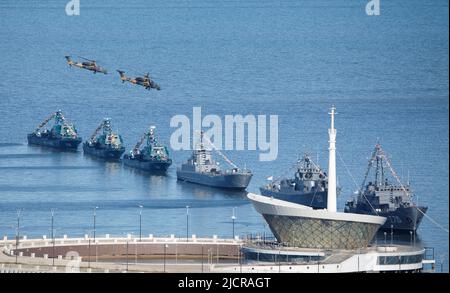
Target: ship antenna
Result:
[[317, 156], [226, 159], [331, 201]]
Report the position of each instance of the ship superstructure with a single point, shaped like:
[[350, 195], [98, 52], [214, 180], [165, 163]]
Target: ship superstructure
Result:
[[308, 187], [63, 135], [152, 157], [384, 198], [104, 142], [202, 169]]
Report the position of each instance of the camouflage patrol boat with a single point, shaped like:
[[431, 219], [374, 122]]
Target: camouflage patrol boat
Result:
[[62, 135], [107, 145], [202, 169], [383, 198], [152, 157]]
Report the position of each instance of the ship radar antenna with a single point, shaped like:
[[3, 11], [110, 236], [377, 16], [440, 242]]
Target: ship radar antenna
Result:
[[151, 134]]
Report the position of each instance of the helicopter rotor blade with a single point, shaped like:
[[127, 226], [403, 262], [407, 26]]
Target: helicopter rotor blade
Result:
[[86, 59]]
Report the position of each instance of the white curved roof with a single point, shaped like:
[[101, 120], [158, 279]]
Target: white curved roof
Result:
[[271, 206]]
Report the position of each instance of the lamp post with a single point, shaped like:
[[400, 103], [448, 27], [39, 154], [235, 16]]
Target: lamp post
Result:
[[95, 215], [187, 223], [53, 237], [127, 255], [17, 233], [240, 260], [318, 259], [233, 219], [392, 233], [140, 222], [165, 247], [89, 249], [202, 258], [279, 259]]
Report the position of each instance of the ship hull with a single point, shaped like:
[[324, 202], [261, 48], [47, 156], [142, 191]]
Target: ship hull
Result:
[[104, 153], [69, 144], [316, 200], [147, 165], [402, 219], [227, 181]]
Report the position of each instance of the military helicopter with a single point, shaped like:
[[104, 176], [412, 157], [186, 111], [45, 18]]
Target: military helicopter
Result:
[[144, 81], [88, 64]]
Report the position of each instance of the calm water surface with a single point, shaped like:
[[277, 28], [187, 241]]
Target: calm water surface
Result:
[[387, 75]]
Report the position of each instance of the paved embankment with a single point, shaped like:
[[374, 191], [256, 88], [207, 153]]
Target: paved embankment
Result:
[[106, 254]]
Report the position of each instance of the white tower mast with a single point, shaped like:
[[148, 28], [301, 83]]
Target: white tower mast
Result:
[[331, 202]]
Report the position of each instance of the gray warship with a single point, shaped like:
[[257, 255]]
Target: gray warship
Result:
[[62, 135], [202, 169], [308, 187], [107, 145], [385, 199], [154, 157]]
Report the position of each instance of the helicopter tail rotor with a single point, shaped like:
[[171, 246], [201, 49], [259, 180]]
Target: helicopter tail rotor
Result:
[[122, 75], [69, 61]]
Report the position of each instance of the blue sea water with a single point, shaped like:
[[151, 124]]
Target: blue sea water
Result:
[[387, 76]]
